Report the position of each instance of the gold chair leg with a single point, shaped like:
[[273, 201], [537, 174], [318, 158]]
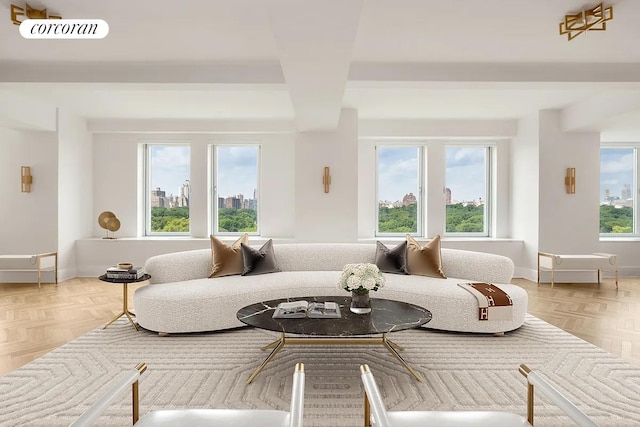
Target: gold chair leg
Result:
[[367, 411]]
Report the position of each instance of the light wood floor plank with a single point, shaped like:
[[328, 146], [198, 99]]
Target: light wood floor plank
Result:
[[35, 321]]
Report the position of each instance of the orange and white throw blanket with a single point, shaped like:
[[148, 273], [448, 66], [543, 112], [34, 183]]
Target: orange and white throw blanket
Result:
[[493, 302]]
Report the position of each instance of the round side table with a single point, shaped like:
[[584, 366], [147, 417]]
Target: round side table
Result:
[[125, 308]]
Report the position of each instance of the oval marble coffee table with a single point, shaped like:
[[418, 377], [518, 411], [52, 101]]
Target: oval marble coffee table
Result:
[[351, 329]]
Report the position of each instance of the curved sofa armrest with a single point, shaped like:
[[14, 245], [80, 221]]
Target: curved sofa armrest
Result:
[[179, 266], [477, 266]]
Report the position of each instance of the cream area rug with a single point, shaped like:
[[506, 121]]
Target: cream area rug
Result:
[[209, 370]]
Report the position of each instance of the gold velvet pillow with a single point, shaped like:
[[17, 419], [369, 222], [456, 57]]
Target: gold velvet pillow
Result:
[[227, 260], [424, 260]]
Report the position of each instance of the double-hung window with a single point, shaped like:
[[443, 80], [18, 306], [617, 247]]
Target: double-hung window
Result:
[[399, 190], [467, 179], [236, 193], [618, 183], [167, 189]]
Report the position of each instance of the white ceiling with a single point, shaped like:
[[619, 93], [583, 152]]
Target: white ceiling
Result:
[[306, 59]]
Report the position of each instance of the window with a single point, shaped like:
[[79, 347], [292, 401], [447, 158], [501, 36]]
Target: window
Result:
[[617, 190], [236, 189], [167, 188], [466, 184], [399, 198]]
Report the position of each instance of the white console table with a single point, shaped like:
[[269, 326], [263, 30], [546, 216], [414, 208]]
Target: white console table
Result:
[[596, 261], [21, 263]]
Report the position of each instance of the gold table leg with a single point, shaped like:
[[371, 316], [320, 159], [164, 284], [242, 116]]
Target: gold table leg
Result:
[[277, 345], [277, 348], [125, 309], [390, 346]]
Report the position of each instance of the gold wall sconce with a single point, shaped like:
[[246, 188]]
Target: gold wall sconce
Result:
[[326, 179], [570, 181], [30, 13], [25, 179], [587, 20]]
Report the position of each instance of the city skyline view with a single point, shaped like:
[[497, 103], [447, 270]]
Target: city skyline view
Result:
[[616, 171], [398, 173], [237, 171]]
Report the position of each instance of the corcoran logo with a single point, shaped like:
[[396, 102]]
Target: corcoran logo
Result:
[[64, 29]]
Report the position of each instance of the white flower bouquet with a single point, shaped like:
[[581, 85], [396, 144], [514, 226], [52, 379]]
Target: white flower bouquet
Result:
[[361, 278]]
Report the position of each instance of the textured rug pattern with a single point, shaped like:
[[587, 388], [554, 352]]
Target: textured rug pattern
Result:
[[462, 372]]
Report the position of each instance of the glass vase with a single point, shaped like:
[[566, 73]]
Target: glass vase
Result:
[[360, 303]]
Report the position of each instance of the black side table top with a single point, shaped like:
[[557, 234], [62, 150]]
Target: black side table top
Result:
[[386, 316], [104, 278]]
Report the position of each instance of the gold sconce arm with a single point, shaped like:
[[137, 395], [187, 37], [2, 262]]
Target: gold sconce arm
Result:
[[570, 181], [326, 179], [25, 179]]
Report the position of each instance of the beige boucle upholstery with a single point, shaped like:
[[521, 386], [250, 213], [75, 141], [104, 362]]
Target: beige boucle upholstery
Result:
[[181, 298]]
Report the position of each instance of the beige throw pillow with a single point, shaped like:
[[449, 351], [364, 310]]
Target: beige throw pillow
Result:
[[424, 260], [226, 260]]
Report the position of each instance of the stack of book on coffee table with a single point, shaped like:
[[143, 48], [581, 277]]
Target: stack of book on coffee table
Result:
[[133, 273]]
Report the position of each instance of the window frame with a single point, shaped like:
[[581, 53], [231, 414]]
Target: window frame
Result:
[[488, 184], [213, 222], [147, 146], [420, 217], [636, 203]]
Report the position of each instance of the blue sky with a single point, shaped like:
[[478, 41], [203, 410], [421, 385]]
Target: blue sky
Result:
[[237, 171], [169, 167], [616, 169], [398, 171]]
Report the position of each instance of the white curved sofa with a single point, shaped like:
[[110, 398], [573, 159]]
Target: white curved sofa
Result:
[[181, 297]]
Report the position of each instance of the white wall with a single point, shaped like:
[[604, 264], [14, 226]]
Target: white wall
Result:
[[75, 190], [333, 216], [569, 223], [29, 220], [543, 214], [524, 193], [118, 184]]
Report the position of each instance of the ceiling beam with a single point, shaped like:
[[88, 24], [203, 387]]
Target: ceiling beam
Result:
[[142, 72], [315, 42], [594, 112]]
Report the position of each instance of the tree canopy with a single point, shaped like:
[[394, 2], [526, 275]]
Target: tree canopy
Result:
[[237, 220], [616, 220], [170, 219]]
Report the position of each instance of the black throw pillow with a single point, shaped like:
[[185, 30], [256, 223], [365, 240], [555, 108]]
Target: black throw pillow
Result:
[[259, 261], [392, 260]]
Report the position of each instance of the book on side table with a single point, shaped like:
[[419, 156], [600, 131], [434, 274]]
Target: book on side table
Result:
[[133, 273], [301, 309]]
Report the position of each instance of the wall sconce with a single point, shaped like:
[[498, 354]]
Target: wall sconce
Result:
[[25, 179], [30, 13], [570, 181], [588, 20], [326, 179]]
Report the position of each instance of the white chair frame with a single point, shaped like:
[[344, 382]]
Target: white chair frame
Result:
[[196, 417], [375, 411]]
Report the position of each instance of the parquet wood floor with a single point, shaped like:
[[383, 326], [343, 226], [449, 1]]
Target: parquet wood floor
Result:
[[35, 321]]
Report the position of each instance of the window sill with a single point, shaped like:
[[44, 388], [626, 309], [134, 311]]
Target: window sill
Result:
[[444, 239]]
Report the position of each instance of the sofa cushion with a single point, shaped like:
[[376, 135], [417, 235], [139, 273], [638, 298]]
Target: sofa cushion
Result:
[[424, 260], [392, 260], [259, 261], [226, 260]]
